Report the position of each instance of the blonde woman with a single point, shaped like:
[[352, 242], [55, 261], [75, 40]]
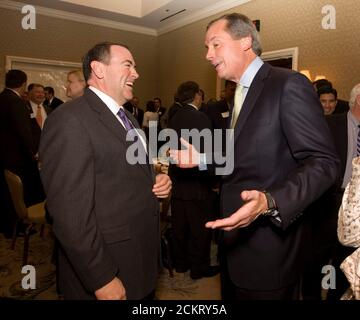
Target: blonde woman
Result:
[[349, 231], [75, 84]]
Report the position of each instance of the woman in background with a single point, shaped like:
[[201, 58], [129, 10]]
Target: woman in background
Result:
[[349, 231], [75, 84]]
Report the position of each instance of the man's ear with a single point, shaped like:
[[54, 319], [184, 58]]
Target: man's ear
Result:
[[98, 69], [246, 43]]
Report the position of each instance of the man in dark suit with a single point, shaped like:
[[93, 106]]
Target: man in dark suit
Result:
[[16, 144], [218, 111], [159, 109], [325, 246], [283, 161], [50, 100], [38, 112], [190, 205], [133, 107], [104, 209]]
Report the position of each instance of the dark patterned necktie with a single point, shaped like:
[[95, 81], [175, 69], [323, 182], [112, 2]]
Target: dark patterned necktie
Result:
[[130, 127], [127, 123]]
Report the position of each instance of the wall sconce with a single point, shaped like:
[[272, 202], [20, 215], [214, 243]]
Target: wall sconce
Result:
[[319, 77], [306, 73]]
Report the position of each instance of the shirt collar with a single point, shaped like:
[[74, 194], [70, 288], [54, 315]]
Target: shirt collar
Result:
[[190, 104], [352, 118], [34, 105], [110, 102], [17, 93], [250, 72]]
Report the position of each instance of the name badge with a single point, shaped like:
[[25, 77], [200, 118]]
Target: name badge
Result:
[[225, 114], [32, 116]]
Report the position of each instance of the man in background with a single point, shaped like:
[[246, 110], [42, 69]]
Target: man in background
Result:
[[342, 106], [50, 100], [325, 248], [133, 107], [17, 148], [38, 112], [191, 207], [280, 165], [328, 99]]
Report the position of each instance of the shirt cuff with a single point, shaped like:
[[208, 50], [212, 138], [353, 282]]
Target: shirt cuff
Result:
[[202, 162], [276, 217]]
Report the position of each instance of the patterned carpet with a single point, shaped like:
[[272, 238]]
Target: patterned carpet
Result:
[[40, 252], [180, 287]]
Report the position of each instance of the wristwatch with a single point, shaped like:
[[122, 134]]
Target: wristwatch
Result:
[[272, 209]]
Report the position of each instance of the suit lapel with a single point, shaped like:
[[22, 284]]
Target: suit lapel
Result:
[[252, 95], [107, 118], [136, 125]]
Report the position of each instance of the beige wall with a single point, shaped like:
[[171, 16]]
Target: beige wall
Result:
[[59, 39], [284, 24], [166, 61]]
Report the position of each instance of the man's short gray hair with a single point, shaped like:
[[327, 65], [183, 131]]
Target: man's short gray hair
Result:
[[240, 26], [353, 95]]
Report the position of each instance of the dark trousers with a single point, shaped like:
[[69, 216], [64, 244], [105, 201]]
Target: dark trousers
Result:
[[333, 254], [342, 284], [8, 215], [231, 292], [192, 240]]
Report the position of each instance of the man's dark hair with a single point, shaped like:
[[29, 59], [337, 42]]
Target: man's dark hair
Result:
[[15, 79], [100, 52], [32, 85], [150, 106], [186, 91], [326, 90], [202, 94], [322, 83], [50, 90]]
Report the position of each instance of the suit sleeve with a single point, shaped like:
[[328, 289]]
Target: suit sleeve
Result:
[[310, 143], [22, 125], [68, 176]]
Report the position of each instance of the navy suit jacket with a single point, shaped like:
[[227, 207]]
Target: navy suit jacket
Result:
[[189, 184], [54, 103], [282, 145], [339, 130], [17, 147]]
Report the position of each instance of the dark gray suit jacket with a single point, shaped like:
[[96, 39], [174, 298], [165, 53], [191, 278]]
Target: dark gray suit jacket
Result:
[[283, 145], [104, 212], [35, 128], [17, 148], [189, 184]]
